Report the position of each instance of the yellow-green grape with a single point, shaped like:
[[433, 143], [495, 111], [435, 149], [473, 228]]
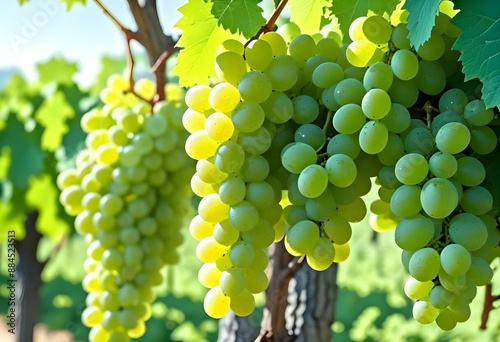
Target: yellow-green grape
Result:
[[216, 303]]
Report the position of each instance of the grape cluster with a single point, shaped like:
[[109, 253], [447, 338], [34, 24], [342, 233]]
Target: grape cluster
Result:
[[130, 195], [291, 138]]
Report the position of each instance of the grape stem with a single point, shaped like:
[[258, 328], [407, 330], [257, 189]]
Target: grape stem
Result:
[[268, 27], [489, 299], [325, 128]]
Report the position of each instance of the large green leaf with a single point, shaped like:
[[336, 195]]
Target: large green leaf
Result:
[[25, 151], [53, 115], [479, 44], [243, 16], [200, 38], [348, 10], [421, 18], [56, 70], [307, 14]]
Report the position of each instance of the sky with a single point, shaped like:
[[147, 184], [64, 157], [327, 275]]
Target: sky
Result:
[[43, 28]]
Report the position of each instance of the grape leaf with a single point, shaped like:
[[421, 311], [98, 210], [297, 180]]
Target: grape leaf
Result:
[[200, 38], [479, 44], [56, 70], [42, 195], [52, 115], [243, 16], [25, 151], [348, 10], [421, 17], [71, 3], [307, 14]]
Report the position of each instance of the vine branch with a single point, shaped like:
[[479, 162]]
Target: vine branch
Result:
[[268, 27], [489, 299]]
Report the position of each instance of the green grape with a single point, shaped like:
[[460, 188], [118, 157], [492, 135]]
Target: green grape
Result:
[[405, 201], [476, 200], [430, 78], [344, 144], [224, 97], [301, 237], [232, 281], [411, 169], [230, 67], [243, 304], [248, 117], [256, 280], [355, 73], [452, 138], [349, 119], [338, 229], [277, 43], [374, 28], [278, 107], [468, 230], [455, 259], [470, 171], [393, 151], [313, 62], [404, 65], [349, 90], [256, 142], [433, 48], [255, 168], [476, 113], [200, 146], [231, 45], [258, 54], [313, 181], [353, 212], [414, 232], [373, 137], [424, 264], [229, 157], [212, 209], [387, 178], [197, 98], [378, 76], [424, 313], [341, 252], [311, 135], [260, 194], [216, 303], [243, 215], [443, 165], [294, 213], [288, 31], [232, 190], [225, 234], [397, 119], [254, 86], [297, 157], [376, 104], [327, 74], [328, 47], [446, 320], [209, 275], [444, 118], [341, 170], [451, 283], [219, 127], [283, 72], [438, 197], [404, 92], [362, 53], [400, 37], [302, 47], [321, 256], [483, 140], [454, 100], [261, 235], [241, 254], [209, 250], [321, 207], [306, 109], [440, 297], [480, 271], [417, 290], [328, 98]]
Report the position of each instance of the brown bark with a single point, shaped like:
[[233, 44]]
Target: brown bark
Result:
[[29, 281]]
